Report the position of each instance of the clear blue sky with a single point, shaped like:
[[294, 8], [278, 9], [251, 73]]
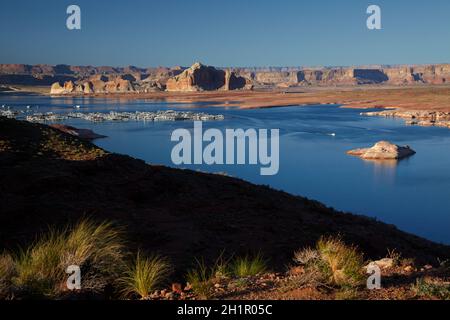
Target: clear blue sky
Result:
[[224, 32]]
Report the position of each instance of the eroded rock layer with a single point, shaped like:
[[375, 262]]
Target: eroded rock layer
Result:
[[87, 79]]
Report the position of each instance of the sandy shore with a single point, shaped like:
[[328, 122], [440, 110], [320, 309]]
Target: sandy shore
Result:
[[429, 98]]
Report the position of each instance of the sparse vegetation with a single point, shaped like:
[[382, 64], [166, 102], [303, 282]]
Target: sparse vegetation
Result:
[[52, 183], [343, 264], [4, 146], [55, 143], [428, 288], [7, 271], [311, 277], [331, 270], [395, 256], [249, 266], [332, 262], [97, 248], [201, 279], [306, 256], [39, 268], [143, 276], [346, 293]]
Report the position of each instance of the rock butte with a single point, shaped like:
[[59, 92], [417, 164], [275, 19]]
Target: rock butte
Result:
[[383, 150], [204, 78]]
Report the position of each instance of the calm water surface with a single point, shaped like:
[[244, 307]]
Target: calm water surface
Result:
[[413, 194]]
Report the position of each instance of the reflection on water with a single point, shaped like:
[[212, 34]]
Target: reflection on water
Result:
[[384, 171], [383, 163], [413, 194]]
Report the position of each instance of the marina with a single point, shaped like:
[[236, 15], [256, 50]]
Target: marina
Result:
[[166, 115]]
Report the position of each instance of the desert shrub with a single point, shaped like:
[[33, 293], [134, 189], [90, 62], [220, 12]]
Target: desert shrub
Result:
[[332, 262], [143, 276], [431, 289], [7, 271], [98, 249], [249, 266], [342, 264]]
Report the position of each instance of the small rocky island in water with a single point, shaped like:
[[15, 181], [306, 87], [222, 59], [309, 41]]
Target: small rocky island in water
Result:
[[383, 150]]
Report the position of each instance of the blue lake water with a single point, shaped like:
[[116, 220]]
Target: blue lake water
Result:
[[413, 194]]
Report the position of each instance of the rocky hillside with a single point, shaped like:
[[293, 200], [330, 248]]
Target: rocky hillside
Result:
[[66, 79], [87, 80], [51, 178]]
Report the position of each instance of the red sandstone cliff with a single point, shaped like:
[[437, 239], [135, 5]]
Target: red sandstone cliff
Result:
[[87, 79], [205, 78]]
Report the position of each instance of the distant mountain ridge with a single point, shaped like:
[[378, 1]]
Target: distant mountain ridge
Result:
[[85, 79]]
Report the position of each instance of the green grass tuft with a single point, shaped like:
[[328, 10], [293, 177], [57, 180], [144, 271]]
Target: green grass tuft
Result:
[[98, 249], [143, 276], [249, 266]]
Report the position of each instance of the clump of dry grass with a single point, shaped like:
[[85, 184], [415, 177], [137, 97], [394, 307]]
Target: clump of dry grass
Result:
[[98, 249], [332, 262], [7, 271], [39, 268], [343, 265], [143, 276], [306, 256], [395, 256]]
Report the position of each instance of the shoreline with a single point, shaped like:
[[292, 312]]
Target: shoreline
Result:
[[423, 97], [422, 105]]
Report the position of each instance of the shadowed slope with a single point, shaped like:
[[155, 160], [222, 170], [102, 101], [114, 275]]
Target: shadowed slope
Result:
[[50, 178]]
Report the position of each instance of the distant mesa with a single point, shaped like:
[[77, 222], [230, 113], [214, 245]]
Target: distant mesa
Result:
[[199, 77], [383, 150], [196, 78]]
